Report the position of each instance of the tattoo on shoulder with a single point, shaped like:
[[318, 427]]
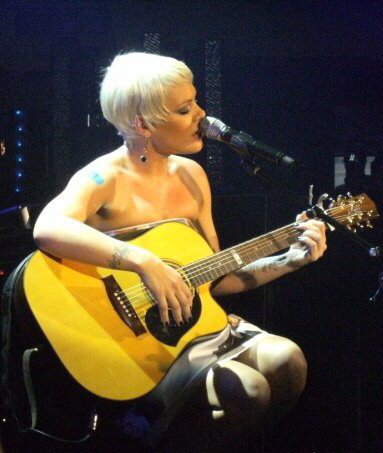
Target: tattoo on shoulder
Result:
[[97, 178], [120, 252]]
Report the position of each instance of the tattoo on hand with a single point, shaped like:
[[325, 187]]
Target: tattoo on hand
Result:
[[120, 252]]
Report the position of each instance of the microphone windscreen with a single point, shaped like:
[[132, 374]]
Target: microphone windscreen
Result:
[[212, 127]]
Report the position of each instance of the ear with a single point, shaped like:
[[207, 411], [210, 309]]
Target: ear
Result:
[[141, 127]]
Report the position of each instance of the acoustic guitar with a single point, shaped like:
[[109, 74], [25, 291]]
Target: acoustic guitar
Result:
[[104, 324]]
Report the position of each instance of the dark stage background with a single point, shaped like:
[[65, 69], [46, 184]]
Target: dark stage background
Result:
[[302, 76]]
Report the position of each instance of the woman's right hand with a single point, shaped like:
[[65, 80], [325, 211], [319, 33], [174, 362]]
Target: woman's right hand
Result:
[[167, 287]]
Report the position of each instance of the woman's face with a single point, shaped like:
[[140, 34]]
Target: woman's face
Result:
[[178, 135]]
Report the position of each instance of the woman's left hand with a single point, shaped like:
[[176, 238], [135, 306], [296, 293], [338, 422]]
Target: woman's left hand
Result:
[[311, 245]]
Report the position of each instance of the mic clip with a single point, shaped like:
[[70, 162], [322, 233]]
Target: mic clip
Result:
[[376, 252]]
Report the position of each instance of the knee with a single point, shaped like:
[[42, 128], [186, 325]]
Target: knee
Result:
[[284, 362], [243, 397]]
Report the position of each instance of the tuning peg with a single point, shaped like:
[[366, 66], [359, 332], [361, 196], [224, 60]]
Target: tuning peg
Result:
[[325, 200], [340, 198], [369, 224], [351, 228]]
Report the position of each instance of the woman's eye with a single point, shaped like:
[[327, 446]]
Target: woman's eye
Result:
[[186, 110]]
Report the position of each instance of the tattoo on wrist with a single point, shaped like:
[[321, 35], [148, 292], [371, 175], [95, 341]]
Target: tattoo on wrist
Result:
[[121, 251]]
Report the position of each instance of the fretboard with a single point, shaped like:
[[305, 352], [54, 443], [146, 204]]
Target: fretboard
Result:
[[215, 266]]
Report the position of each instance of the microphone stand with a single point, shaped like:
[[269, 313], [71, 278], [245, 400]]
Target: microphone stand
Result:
[[253, 168]]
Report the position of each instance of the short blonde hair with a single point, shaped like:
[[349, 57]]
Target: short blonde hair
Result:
[[136, 85]]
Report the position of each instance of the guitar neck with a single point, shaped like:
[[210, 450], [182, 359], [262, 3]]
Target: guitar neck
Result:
[[229, 260]]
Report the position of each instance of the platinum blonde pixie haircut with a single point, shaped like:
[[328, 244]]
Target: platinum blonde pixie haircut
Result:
[[136, 85]]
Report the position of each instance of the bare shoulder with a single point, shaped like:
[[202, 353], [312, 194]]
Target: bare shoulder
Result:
[[191, 166], [103, 169]]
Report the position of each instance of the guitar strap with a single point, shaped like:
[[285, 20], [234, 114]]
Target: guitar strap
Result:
[[9, 289], [17, 390]]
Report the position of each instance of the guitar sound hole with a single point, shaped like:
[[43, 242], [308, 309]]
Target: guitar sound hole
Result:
[[172, 333]]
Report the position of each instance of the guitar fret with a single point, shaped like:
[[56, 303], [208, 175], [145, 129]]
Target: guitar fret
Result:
[[236, 257]]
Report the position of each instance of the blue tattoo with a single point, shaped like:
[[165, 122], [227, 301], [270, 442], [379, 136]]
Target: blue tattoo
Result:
[[97, 178]]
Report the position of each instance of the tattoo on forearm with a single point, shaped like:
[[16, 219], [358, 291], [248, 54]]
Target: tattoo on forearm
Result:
[[247, 274], [265, 265], [247, 277], [121, 251]]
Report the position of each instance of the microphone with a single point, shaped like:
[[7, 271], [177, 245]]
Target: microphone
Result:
[[245, 145]]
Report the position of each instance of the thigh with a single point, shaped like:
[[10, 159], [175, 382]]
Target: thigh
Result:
[[271, 352]]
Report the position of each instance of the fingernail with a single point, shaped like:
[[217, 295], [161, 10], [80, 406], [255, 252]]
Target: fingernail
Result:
[[190, 319]]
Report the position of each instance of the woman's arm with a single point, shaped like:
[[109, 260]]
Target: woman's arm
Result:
[[61, 231], [311, 246]]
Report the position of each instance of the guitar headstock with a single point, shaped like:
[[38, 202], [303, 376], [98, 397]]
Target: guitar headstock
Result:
[[353, 212]]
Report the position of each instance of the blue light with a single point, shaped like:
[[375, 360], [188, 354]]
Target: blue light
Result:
[[19, 174], [19, 159], [17, 189], [20, 129], [19, 143], [18, 112]]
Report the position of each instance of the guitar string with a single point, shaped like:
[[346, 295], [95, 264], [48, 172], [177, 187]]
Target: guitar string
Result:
[[195, 267], [139, 309], [134, 293]]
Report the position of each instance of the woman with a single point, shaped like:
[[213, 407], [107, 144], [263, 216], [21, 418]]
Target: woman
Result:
[[151, 100]]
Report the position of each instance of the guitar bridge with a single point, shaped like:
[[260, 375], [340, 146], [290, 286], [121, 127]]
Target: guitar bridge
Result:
[[122, 306]]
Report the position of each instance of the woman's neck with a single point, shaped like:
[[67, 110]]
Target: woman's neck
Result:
[[149, 161]]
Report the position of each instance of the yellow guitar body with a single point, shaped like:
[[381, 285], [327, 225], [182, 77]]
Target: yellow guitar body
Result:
[[71, 305]]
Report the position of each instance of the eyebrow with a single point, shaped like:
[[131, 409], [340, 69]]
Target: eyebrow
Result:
[[185, 102], [189, 100]]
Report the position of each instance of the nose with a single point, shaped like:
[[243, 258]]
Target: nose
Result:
[[200, 114]]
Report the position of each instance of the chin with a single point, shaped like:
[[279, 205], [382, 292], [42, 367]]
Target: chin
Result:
[[193, 150]]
